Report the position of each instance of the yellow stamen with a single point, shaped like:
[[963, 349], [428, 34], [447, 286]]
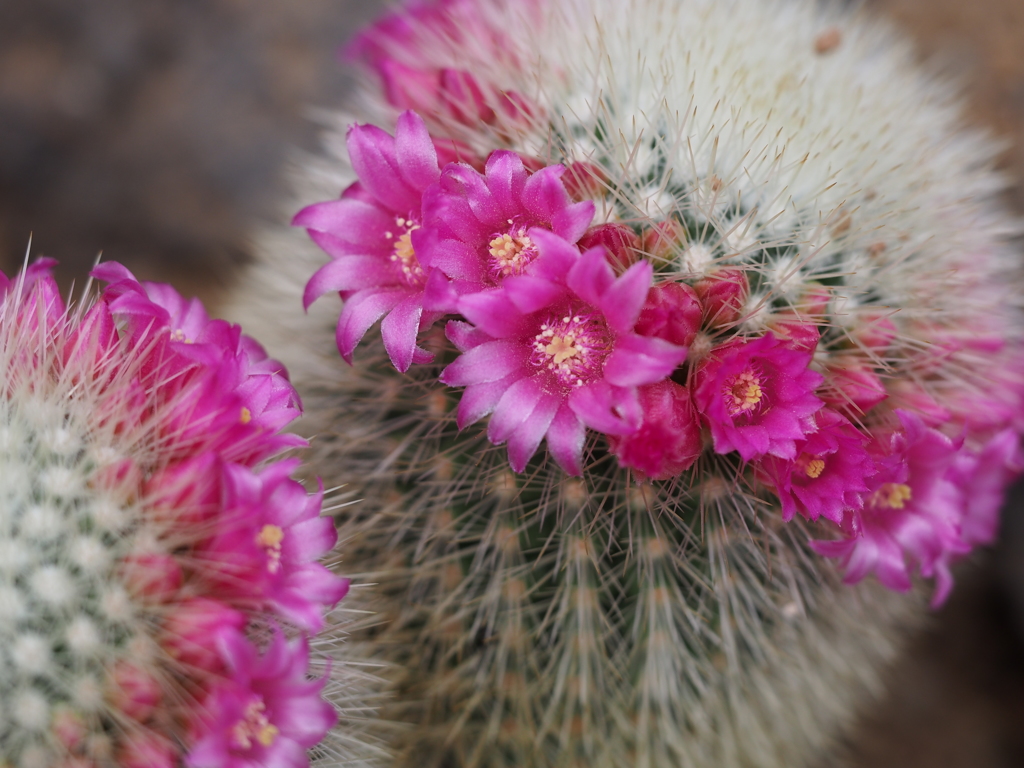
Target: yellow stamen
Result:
[[246, 415], [892, 496], [270, 538], [561, 349], [507, 251], [743, 392], [814, 468]]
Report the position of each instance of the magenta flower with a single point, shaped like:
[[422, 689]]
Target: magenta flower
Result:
[[668, 439], [267, 542], [480, 223], [373, 237], [403, 49], [266, 713], [915, 509], [758, 397], [983, 477], [828, 475], [223, 392], [552, 351]]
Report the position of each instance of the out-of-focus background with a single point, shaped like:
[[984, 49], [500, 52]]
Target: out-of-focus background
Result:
[[158, 132]]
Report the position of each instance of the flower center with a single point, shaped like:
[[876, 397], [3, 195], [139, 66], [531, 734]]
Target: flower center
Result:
[[812, 466], [403, 255], [572, 347], [891, 496], [743, 392], [254, 725], [511, 252], [270, 538]]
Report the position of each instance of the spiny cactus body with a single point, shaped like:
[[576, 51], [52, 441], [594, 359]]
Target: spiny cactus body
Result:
[[815, 191]]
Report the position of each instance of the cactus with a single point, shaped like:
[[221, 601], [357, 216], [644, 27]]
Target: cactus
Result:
[[813, 191], [149, 614]]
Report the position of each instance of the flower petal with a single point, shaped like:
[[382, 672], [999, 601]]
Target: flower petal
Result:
[[506, 177], [640, 360], [487, 362], [565, 438], [493, 312], [399, 331], [591, 276], [478, 400], [525, 439], [622, 301], [352, 221], [606, 408], [417, 158], [360, 312], [529, 293], [372, 152], [352, 273], [514, 407]]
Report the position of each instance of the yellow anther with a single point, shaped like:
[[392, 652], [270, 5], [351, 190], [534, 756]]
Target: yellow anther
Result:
[[743, 392], [892, 496], [245, 416], [561, 349], [814, 468]]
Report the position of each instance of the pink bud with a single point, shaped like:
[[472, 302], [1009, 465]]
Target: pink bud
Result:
[[464, 98], [668, 440], [133, 691], [145, 749], [664, 238], [724, 293], [875, 330], [855, 390], [189, 629], [672, 312], [909, 396], [453, 151], [152, 575], [802, 336], [186, 494], [69, 727], [813, 302], [620, 241], [409, 88], [585, 181]]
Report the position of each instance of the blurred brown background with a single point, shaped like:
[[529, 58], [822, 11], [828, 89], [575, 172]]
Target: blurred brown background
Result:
[[157, 132]]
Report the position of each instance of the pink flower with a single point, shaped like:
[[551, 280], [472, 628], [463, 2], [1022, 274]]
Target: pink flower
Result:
[[983, 477], [723, 293], [915, 509], [480, 224], [221, 390], [668, 440], [189, 626], [758, 397], [267, 713], [828, 475], [373, 237], [266, 544], [552, 351], [404, 48]]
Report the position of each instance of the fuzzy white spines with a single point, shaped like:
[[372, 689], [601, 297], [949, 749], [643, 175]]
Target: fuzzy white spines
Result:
[[736, 645]]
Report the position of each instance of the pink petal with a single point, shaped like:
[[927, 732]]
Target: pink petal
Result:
[[591, 276], [352, 221], [446, 208], [372, 152], [478, 400], [493, 312], [399, 331], [487, 362], [525, 439], [352, 273], [514, 407], [572, 222], [417, 158], [565, 438], [640, 360], [453, 257], [556, 256], [622, 301], [476, 194], [359, 313], [464, 336], [529, 293], [506, 177], [608, 409], [544, 194]]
